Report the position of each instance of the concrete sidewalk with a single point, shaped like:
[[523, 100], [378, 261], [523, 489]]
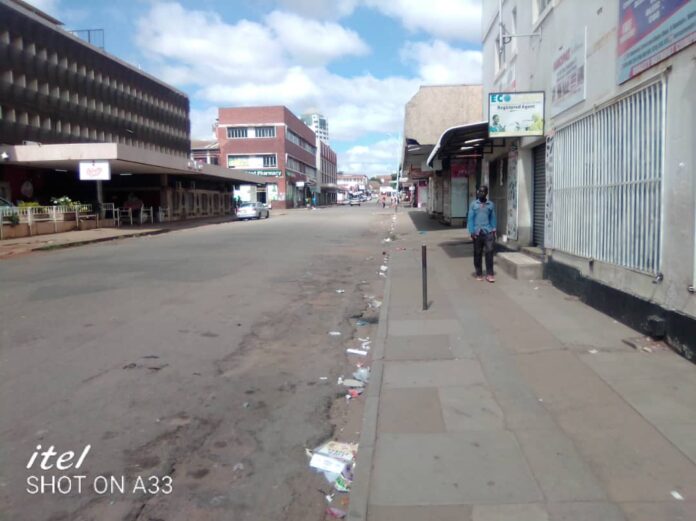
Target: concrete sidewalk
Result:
[[15, 247], [515, 402]]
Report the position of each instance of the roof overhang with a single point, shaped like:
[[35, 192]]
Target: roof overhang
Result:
[[462, 141], [122, 159]]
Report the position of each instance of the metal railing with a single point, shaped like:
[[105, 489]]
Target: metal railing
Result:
[[31, 215]]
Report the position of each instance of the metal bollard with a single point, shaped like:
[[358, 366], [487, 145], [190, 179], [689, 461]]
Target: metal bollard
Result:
[[424, 266]]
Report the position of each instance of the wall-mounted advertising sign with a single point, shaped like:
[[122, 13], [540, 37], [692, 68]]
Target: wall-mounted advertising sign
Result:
[[244, 162], [568, 75], [95, 171], [650, 32], [512, 114], [269, 173]]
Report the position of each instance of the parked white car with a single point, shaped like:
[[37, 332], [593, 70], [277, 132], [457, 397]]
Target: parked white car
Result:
[[253, 211]]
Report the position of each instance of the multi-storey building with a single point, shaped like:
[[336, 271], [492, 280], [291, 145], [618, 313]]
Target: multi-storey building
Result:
[[275, 145], [352, 182], [318, 123], [56, 88], [326, 162], [606, 186], [66, 104]]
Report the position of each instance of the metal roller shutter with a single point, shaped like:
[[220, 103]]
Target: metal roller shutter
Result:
[[539, 156]]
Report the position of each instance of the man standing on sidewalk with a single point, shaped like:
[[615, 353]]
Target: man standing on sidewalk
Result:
[[482, 226]]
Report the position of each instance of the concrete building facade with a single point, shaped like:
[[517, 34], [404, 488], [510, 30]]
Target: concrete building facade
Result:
[[327, 172], [609, 191], [319, 124], [273, 144], [65, 106], [429, 113], [56, 88]]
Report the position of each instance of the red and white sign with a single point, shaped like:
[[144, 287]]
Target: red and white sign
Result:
[[95, 171]]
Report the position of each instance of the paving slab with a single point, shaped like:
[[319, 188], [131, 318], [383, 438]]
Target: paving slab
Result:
[[451, 469], [683, 436], [632, 365], [414, 410], [528, 512], [432, 373], [420, 513], [470, 408], [586, 511], [426, 347], [670, 510], [422, 327], [558, 467]]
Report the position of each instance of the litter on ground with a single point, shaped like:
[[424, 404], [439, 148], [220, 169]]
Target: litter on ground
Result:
[[335, 333], [383, 267], [352, 351], [676, 495], [361, 323], [350, 382], [362, 374], [340, 291]]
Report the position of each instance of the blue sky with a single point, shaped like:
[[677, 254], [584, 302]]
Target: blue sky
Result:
[[356, 61]]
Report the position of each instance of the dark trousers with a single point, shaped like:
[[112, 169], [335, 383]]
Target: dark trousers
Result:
[[484, 242]]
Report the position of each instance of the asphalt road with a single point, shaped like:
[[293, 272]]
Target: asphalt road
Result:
[[196, 355]]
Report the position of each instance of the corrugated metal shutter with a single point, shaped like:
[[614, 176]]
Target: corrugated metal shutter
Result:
[[539, 156]]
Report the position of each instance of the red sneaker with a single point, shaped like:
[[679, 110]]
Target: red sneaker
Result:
[[490, 278]]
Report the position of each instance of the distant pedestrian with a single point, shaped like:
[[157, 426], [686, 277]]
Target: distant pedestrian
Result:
[[384, 201], [482, 227]]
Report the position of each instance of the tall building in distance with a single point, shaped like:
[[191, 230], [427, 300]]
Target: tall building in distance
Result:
[[318, 123]]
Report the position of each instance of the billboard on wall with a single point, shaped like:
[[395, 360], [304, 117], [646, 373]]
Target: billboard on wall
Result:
[[513, 114], [650, 32], [568, 75], [245, 162]]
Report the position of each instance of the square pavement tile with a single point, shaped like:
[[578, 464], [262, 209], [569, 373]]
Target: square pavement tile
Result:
[[423, 327], [588, 511], [470, 408], [410, 411], [529, 512], [451, 469], [429, 513], [432, 373], [426, 347]]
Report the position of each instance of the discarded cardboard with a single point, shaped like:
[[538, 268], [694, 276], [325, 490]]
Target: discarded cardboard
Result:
[[327, 463]]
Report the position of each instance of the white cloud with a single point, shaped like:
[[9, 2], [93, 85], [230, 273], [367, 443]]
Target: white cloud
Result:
[[439, 63], [323, 9], [202, 123], [378, 158], [447, 19], [311, 42], [247, 63]]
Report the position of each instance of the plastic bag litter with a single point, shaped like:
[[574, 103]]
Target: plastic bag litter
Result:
[[335, 333], [340, 291], [353, 393], [327, 463], [383, 267], [362, 374], [366, 339], [361, 323], [336, 513], [352, 351], [350, 382]]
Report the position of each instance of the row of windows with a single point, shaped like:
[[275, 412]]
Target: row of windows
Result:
[[70, 128], [97, 76], [250, 132], [299, 166], [90, 103], [300, 142]]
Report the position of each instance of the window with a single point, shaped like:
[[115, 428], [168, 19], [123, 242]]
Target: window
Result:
[[540, 8], [236, 132], [265, 132], [608, 182], [269, 160]]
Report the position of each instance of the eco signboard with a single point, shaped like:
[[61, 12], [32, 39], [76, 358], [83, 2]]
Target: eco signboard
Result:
[[512, 114]]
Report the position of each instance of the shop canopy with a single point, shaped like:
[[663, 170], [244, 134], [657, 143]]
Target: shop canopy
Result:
[[463, 141], [123, 159]]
